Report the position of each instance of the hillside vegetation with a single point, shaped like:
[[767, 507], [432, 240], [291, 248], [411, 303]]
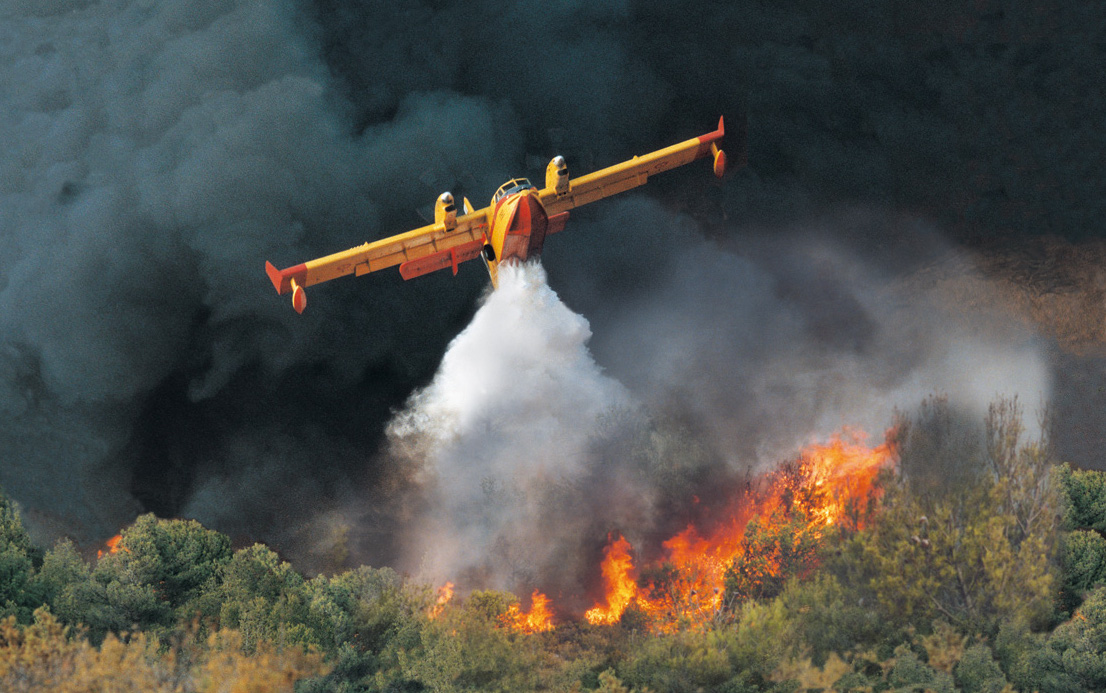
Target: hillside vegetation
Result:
[[981, 568]]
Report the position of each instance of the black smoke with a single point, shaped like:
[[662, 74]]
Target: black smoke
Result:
[[155, 155]]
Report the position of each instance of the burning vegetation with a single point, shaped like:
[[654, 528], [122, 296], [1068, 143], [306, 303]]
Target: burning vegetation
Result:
[[619, 583], [951, 556], [768, 532], [445, 595], [110, 546], [537, 620], [763, 537]]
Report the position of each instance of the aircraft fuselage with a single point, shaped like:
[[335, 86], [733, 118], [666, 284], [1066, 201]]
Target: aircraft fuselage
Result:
[[512, 228], [519, 225]]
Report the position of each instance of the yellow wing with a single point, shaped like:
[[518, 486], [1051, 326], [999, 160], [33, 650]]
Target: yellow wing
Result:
[[628, 174], [449, 241], [453, 239]]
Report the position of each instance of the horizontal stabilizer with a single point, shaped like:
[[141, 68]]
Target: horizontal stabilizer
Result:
[[442, 259]]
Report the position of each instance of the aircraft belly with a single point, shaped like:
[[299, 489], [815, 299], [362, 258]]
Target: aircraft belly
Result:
[[526, 229], [538, 228], [515, 247]]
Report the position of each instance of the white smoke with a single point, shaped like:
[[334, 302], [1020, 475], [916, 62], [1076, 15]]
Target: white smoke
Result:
[[786, 336], [507, 417], [508, 441]]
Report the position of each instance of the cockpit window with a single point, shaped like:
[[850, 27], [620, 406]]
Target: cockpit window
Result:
[[511, 187]]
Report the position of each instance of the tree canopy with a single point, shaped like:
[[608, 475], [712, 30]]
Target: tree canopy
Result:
[[988, 579]]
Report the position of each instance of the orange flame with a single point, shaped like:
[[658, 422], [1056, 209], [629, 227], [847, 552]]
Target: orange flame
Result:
[[619, 581], [445, 593], [537, 620], [826, 486], [113, 546]]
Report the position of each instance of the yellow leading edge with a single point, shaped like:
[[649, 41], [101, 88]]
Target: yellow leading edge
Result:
[[512, 228]]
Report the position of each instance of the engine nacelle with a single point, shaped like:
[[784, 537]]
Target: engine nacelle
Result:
[[556, 175], [445, 211]]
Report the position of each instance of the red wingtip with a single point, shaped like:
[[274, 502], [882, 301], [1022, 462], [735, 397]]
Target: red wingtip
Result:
[[274, 275], [284, 279], [709, 141]]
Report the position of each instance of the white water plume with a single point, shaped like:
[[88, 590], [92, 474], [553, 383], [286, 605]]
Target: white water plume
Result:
[[504, 423]]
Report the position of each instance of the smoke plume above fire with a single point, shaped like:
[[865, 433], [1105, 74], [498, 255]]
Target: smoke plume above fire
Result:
[[156, 154], [531, 460]]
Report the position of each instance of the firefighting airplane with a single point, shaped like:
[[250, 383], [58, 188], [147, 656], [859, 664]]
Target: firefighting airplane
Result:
[[512, 228]]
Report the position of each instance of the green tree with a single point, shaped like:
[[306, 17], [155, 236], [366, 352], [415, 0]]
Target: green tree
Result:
[[12, 532], [739, 656], [975, 553], [365, 607], [114, 606], [978, 672], [153, 581], [609, 683], [1083, 546], [1080, 643], [910, 675], [18, 556], [1083, 559], [1083, 501], [775, 551], [826, 619], [63, 578], [490, 605], [365, 620], [263, 598], [468, 648], [690, 660], [179, 558]]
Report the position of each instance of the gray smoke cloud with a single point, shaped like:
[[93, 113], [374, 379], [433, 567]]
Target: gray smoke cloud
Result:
[[151, 154], [527, 453], [766, 339], [155, 154]]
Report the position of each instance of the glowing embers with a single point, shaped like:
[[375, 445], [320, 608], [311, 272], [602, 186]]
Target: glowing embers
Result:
[[445, 594], [777, 521], [112, 546], [840, 478], [537, 620]]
